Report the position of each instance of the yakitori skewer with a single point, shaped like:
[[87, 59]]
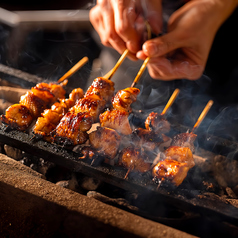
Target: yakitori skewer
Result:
[[74, 69], [179, 156], [156, 122], [20, 115]]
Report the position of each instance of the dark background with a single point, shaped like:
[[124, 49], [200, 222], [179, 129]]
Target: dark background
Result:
[[49, 54]]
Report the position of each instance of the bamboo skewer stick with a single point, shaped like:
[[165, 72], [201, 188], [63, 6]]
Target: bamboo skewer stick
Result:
[[119, 62], [143, 67], [170, 102], [74, 69], [141, 71], [124, 55], [202, 115]]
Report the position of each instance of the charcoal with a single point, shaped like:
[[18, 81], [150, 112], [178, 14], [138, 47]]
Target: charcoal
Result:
[[12, 152]]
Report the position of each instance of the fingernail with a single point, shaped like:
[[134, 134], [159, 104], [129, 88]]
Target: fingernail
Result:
[[150, 49]]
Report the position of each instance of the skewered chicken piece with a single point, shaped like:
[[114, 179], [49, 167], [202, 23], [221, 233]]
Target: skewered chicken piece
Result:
[[153, 137], [17, 116], [178, 160], [179, 156], [171, 170], [117, 118], [124, 98], [93, 105], [73, 129], [51, 117], [157, 123], [102, 87], [175, 166], [85, 112], [104, 142], [32, 104], [133, 159], [96, 98]]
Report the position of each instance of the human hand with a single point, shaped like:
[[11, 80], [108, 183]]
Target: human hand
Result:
[[183, 51], [121, 24]]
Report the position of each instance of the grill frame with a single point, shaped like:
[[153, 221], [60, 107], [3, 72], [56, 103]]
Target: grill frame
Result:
[[115, 176]]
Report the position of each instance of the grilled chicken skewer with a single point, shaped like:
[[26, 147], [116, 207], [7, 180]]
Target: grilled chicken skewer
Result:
[[117, 117], [106, 139], [42, 96], [179, 156], [50, 118], [133, 159], [151, 139], [99, 94], [148, 139], [73, 127], [103, 145], [31, 105], [156, 122]]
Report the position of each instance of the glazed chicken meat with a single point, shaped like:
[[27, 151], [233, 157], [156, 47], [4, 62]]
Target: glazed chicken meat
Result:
[[31, 105], [50, 118], [86, 109], [117, 117], [178, 160]]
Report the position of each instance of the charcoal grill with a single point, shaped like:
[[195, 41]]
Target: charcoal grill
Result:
[[187, 200]]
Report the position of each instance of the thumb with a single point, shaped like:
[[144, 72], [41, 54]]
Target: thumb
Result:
[[162, 45]]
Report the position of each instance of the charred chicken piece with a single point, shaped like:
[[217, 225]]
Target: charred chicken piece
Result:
[[35, 104], [102, 87], [43, 128], [185, 140], [124, 98], [76, 94], [72, 129], [171, 170], [52, 116], [93, 105], [17, 116], [55, 89], [117, 120], [133, 159], [157, 123], [105, 141], [180, 154], [36, 100], [175, 166]]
